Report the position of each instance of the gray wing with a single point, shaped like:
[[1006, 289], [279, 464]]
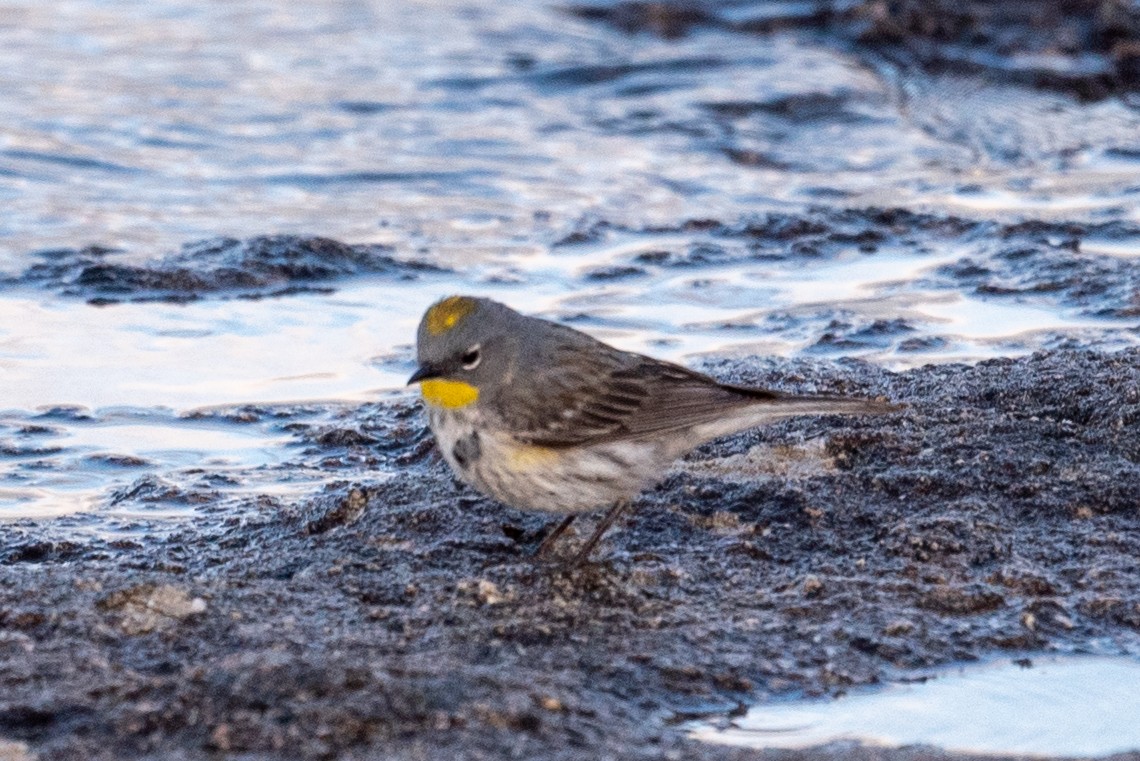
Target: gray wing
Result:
[[624, 395], [582, 391], [587, 392]]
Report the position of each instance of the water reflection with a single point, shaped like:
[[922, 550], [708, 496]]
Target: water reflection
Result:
[[1075, 706], [192, 120], [135, 463]]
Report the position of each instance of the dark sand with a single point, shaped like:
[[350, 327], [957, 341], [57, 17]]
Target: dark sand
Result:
[[405, 619]]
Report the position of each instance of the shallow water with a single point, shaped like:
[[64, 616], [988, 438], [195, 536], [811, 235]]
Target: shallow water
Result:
[[129, 467], [1067, 706], [545, 159]]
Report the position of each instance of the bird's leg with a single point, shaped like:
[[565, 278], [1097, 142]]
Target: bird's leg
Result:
[[552, 537], [606, 522]]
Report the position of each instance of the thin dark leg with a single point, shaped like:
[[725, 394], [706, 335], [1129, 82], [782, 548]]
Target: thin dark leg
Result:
[[605, 523], [552, 537]]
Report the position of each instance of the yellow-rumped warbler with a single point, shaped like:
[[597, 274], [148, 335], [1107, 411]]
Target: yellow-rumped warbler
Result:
[[543, 417]]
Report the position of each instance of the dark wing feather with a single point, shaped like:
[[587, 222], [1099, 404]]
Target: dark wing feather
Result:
[[582, 391], [634, 396]]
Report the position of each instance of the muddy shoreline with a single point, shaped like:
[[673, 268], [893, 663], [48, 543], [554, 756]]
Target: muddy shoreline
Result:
[[402, 617]]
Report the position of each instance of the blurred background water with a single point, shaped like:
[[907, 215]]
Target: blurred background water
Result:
[[675, 193]]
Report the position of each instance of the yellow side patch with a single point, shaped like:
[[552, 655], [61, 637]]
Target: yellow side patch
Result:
[[446, 314], [530, 456], [448, 393]]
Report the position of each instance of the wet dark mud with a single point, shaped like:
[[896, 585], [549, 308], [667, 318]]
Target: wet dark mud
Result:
[[395, 614], [271, 265], [1087, 48]]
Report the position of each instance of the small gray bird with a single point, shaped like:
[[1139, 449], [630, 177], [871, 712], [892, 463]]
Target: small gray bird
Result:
[[543, 417]]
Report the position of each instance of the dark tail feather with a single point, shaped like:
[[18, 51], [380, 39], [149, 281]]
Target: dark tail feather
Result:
[[837, 405], [818, 404]]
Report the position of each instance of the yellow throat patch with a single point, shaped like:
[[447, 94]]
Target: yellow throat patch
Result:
[[446, 314], [448, 393]]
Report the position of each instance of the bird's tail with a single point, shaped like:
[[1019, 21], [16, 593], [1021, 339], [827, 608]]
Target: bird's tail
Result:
[[766, 407], [778, 404], [824, 404]]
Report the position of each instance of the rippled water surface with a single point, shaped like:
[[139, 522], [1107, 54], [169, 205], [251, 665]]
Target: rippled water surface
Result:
[[675, 195], [455, 124]]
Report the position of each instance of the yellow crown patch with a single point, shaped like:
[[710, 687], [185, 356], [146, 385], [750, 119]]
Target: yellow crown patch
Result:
[[445, 315]]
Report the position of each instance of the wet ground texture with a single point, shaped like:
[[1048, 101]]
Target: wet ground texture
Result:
[[405, 618]]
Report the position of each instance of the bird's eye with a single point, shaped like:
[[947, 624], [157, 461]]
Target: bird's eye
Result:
[[471, 358]]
